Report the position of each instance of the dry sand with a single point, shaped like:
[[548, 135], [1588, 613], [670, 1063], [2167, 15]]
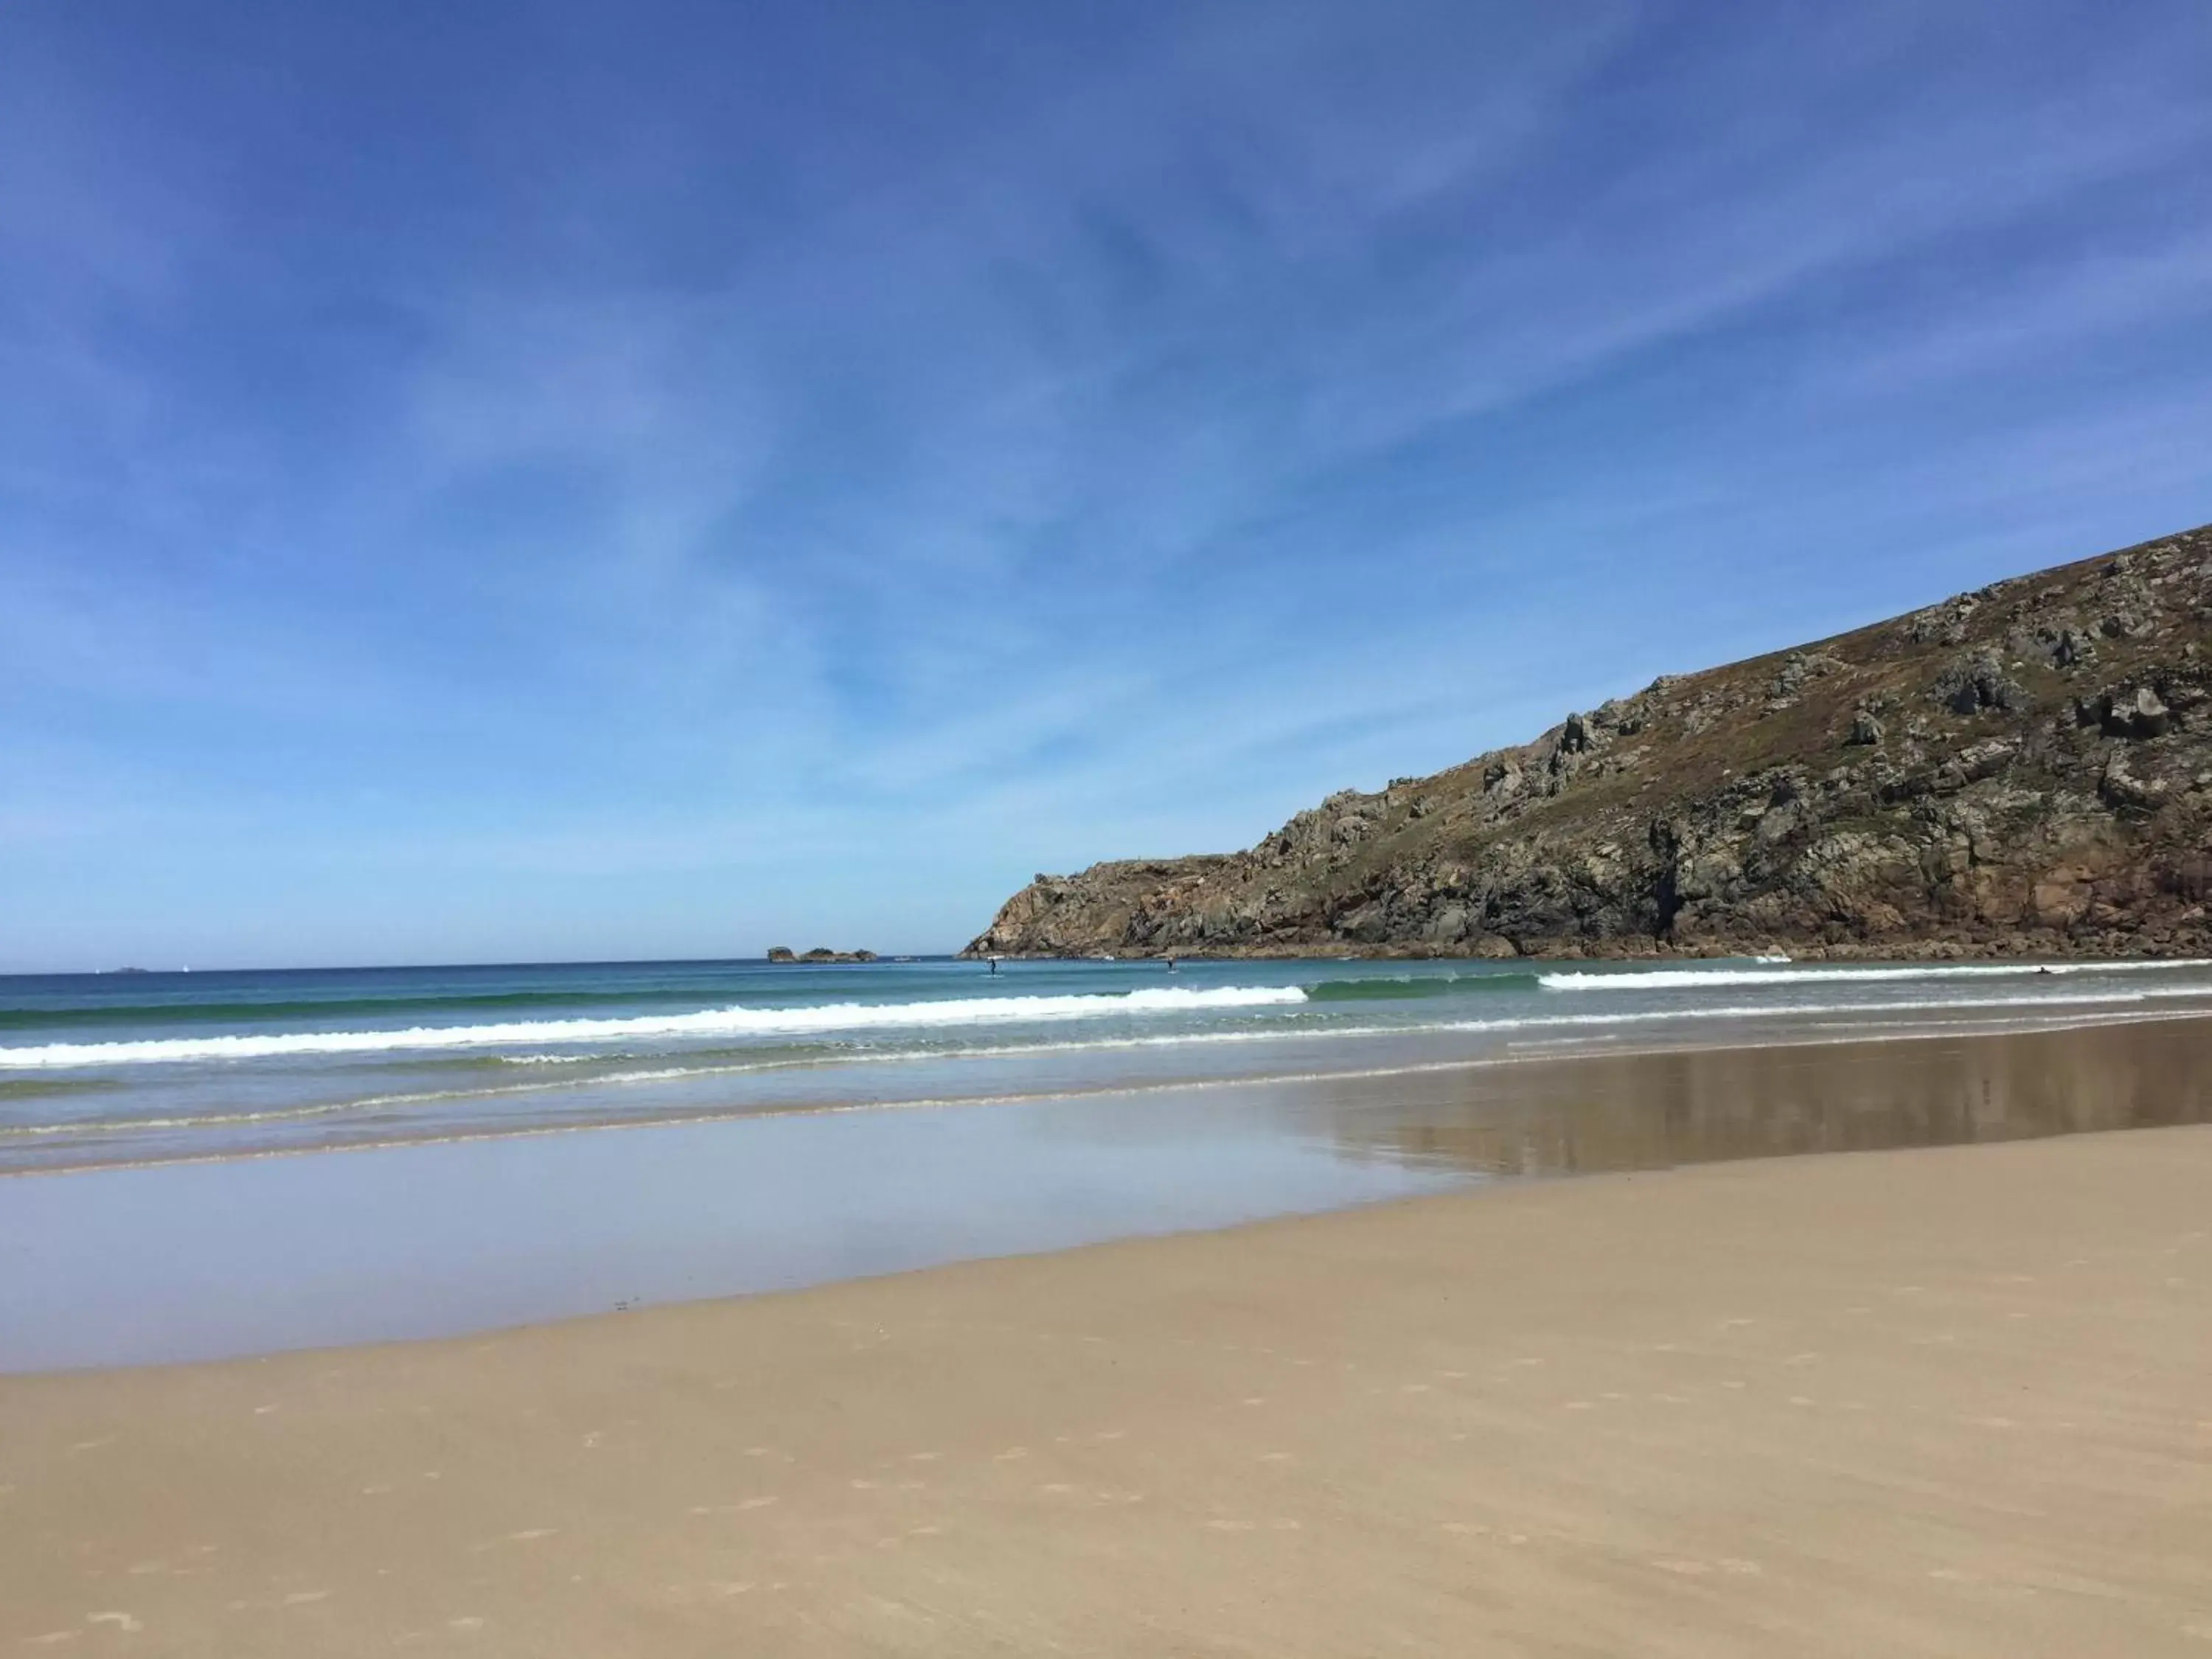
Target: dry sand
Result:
[[1949, 1402]]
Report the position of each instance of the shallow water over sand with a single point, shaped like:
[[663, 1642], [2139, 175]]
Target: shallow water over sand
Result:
[[241, 1255]]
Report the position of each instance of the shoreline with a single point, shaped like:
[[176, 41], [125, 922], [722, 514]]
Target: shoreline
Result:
[[1932, 1400], [186, 1261], [1978, 1018]]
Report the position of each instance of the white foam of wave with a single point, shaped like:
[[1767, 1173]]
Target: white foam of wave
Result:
[[1687, 979], [707, 1023]]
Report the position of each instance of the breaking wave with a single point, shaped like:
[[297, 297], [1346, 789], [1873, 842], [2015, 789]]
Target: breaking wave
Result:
[[707, 1023]]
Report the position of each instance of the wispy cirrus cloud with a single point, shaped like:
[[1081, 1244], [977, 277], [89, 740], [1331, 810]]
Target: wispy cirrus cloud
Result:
[[703, 477]]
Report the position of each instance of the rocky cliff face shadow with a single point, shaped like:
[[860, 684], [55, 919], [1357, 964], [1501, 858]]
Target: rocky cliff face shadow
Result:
[[1590, 1115]]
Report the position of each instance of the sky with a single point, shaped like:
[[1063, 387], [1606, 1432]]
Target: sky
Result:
[[565, 481]]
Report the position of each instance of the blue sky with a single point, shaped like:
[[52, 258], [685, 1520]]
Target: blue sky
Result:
[[502, 481]]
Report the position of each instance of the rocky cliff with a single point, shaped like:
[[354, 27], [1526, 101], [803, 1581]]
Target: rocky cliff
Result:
[[2024, 769]]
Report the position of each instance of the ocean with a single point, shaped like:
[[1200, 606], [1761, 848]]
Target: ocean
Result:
[[132, 1068]]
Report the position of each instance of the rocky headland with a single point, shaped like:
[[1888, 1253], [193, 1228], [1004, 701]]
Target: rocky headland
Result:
[[784, 954], [2023, 770]]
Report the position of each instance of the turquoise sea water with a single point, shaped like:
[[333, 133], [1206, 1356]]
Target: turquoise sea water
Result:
[[140, 1068]]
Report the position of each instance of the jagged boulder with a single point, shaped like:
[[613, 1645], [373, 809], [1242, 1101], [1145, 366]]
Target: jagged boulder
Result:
[[1975, 682]]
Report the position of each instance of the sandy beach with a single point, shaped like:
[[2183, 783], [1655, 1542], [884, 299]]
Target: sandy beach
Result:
[[1942, 1401]]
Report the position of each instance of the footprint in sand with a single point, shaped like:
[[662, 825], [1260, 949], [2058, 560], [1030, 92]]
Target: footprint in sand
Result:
[[122, 1621], [1728, 1563]]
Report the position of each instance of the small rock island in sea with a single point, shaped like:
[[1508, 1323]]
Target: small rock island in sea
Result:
[[785, 953]]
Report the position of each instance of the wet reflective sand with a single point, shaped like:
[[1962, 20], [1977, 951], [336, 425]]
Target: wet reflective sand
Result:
[[1653, 1111]]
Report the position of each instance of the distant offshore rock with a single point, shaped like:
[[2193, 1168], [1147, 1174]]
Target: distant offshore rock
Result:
[[2026, 770], [784, 953]]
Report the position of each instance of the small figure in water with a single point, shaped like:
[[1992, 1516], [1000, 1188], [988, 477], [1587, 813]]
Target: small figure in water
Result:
[[994, 965], [1171, 964]]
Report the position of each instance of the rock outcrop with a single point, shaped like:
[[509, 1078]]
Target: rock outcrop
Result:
[[785, 954], [2027, 769]]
